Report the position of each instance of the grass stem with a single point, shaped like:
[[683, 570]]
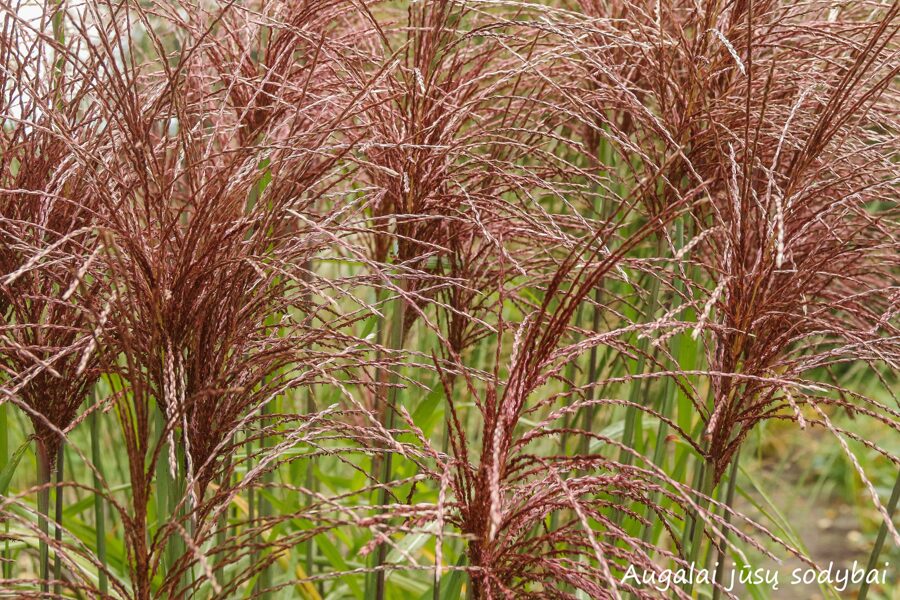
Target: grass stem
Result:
[[879, 541], [396, 343], [222, 524], [57, 560], [637, 385], [722, 552], [251, 495], [265, 577], [670, 392], [393, 393], [99, 516], [311, 486], [5, 558], [699, 524], [43, 502], [631, 433], [593, 370], [166, 494]]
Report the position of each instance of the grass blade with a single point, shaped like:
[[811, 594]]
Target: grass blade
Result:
[[879, 541]]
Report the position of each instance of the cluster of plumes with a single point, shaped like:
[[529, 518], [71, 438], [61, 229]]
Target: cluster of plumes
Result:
[[213, 258], [158, 224], [51, 297], [787, 117], [800, 234], [181, 188], [448, 132], [507, 494]]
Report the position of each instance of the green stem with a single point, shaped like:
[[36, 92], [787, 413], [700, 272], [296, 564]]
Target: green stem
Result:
[[99, 516], [387, 475], [631, 432], [882, 535], [637, 385], [445, 448], [722, 552], [668, 397], [265, 579], [310, 485], [696, 482], [222, 521], [43, 501], [251, 495], [570, 376], [593, 369], [166, 495], [699, 526], [658, 457], [57, 561], [4, 459], [605, 157]]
